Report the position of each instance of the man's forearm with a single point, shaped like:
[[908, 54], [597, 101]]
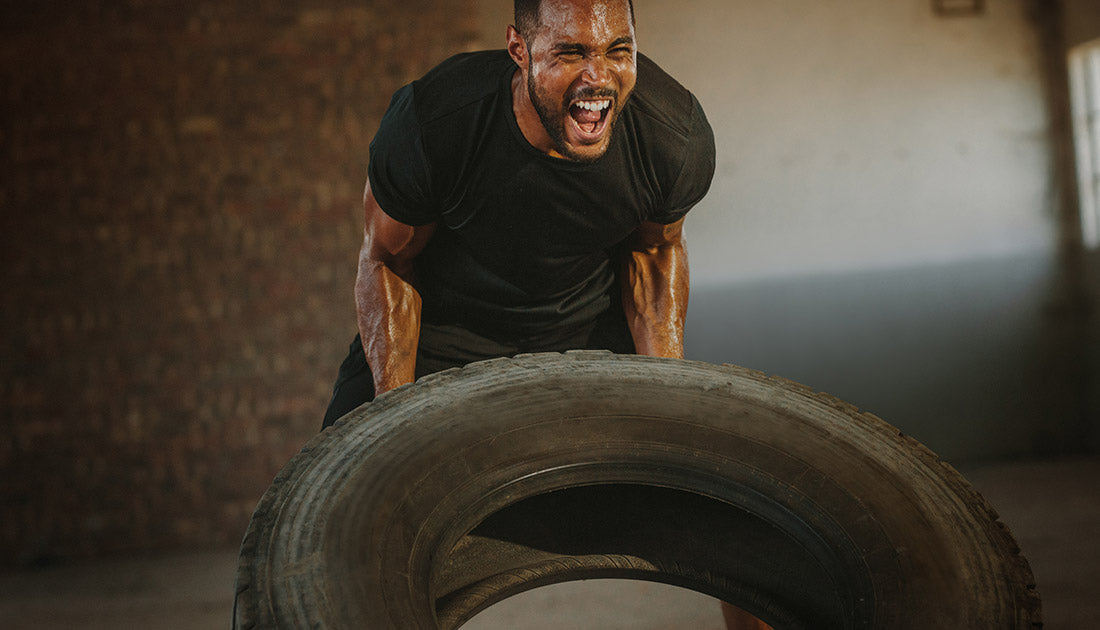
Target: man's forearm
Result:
[[655, 297], [388, 310]]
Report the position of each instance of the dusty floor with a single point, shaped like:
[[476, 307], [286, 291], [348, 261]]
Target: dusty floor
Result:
[[1052, 507]]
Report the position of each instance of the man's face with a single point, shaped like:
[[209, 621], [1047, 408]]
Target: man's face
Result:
[[582, 66]]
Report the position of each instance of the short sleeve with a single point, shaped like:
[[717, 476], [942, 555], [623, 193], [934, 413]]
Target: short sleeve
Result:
[[400, 178], [696, 170]]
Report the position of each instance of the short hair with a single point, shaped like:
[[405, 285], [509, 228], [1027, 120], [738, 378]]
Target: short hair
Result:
[[527, 16]]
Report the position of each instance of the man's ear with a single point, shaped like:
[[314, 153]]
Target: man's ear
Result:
[[517, 47]]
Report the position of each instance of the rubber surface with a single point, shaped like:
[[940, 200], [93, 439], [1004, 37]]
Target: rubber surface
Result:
[[443, 497]]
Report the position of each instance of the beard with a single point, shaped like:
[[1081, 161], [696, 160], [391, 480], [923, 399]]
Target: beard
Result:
[[553, 114]]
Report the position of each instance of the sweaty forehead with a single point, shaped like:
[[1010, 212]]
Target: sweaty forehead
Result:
[[594, 21]]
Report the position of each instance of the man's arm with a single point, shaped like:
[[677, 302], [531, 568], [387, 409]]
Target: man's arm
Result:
[[387, 306], [655, 288]]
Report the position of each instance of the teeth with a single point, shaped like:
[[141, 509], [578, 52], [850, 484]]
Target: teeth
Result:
[[594, 106]]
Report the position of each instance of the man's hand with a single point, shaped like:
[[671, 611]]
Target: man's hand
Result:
[[386, 302], [655, 288]]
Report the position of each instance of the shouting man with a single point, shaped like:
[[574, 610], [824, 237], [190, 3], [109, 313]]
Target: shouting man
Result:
[[525, 200], [528, 200]]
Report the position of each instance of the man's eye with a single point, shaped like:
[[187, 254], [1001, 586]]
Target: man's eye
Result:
[[570, 56]]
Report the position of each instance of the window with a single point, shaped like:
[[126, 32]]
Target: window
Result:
[[1084, 69]]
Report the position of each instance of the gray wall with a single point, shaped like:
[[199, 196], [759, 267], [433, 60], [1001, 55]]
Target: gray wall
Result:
[[885, 223], [974, 359], [860, 134]]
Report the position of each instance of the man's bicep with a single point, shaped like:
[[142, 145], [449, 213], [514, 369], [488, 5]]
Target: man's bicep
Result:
[[388, 240]]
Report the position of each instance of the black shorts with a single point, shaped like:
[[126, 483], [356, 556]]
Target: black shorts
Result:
[[443, 346]]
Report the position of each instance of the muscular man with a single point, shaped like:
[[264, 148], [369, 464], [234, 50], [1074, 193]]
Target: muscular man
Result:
[[528, 200]]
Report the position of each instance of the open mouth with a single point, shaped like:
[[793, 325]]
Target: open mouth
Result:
[[590, 118]]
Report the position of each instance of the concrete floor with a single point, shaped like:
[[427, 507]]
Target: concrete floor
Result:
[[1052, 507]]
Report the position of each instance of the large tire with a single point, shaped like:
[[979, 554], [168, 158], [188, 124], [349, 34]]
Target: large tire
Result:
[[441, 498]]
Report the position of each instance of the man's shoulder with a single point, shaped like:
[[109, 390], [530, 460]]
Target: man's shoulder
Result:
[[660, 98], [679, 141], [460, 81]]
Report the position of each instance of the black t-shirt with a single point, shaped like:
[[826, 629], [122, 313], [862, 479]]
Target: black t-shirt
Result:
[[524, 242]]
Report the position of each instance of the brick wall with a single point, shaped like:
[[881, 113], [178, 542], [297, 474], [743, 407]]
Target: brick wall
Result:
[[180, 185]]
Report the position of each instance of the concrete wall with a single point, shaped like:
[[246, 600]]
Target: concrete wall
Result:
[[861, 134], [885, 221]]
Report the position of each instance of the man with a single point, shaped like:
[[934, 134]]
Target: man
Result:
[[528, 200]]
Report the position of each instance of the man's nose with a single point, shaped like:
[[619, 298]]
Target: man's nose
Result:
[[597, 71]]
